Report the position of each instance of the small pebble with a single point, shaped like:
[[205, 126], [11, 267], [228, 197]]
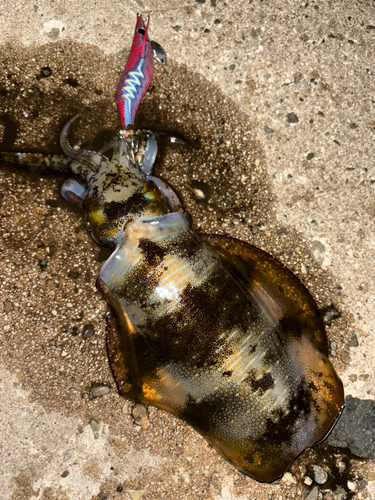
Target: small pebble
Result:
[[288, 479], [88, 331], [98, 391], [308, 481], [200, 190], [313, 495], [102, 496], [136, 494], [42, 264], [352, 486], [362, 484], [341, 465], [345, 358], [199, 194], [333, 347], [45, 72], [65, 473], [320, 475], [353, 342], [340, 494], [255, 33], [8, 306], [292, 118], [318, 251], [54, 33], [119, 488], [94, 424], [140, 416], [268, 130], [330, 314]]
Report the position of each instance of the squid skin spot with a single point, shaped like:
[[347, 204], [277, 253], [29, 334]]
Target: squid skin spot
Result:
[[190, 249], [271, 358], [228, 373], [290, 328], [116, 209], [263, 384], [300, 406], [153, 252]]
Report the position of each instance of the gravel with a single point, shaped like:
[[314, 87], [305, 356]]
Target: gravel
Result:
[[320, 475]]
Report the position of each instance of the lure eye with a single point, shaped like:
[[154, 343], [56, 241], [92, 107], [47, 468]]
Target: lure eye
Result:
[[141, 31]]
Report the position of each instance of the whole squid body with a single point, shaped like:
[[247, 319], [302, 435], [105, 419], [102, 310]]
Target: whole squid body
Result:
[[206, 327]]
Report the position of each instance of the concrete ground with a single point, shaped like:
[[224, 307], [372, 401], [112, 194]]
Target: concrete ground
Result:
[[277, 99]]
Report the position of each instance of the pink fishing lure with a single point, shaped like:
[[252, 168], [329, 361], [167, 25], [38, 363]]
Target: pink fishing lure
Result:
[[136, 76]]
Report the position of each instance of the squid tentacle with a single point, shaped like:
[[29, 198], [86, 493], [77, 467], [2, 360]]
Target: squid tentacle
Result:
[[168, 194], [38, 162], [91, 157], [73, 191]]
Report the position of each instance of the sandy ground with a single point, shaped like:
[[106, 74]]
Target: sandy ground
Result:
[[277, 99]]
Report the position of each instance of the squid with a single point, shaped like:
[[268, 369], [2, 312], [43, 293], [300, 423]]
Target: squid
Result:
[[205, 327]]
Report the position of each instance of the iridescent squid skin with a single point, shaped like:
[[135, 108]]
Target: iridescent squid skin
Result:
[[206, 327]]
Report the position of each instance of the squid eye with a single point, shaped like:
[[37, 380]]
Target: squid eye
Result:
[[90, 230]]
